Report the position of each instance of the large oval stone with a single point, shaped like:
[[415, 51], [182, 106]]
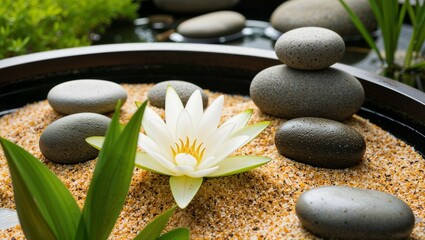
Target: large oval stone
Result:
[[320, 142], [290, 93], [64, 141], [310, 48], [87, 95], [194, 6], [324, 13], [339, 212], [211, 25], [184, 89]]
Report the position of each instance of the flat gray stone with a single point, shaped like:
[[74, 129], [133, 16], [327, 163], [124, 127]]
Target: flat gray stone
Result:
[[310, 48], [320, 142], [8, 218], [324, 13], [184, 89], [339, 212], [64, 141], [88, 95], [211, 25], [289, 93], [194, 6]]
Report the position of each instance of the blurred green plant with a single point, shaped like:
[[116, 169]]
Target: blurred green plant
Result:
[[389, 16], [38, 25], [46, 208]]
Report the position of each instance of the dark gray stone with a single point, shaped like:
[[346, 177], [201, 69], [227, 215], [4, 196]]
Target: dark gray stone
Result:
[[324, 13], [87, 95], [310, 48], [340, 212], [184, 89], [194, 6], [64, 141], [211, 25], [320, 142], [290, 93]]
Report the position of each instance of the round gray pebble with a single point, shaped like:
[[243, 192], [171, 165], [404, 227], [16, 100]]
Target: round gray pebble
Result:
[[310, 48], [320, 142], [324, 13], [64, 141], [87, 95], [289, 93], [211, 25], [194, 6], [184, 89], [339, 212]]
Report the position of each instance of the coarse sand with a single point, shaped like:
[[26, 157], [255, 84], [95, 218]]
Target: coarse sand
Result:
[[259, 204]]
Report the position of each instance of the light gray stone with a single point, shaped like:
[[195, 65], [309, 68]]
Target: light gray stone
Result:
[[320, 142], [184, 89], [211, 25], [64, 141], [340, 212], [310, 48], [324, 13], [87, 95], [194, 6], [289, 93], [8, 218]]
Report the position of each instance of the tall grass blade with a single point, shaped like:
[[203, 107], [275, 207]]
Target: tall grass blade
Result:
[[176, 234]]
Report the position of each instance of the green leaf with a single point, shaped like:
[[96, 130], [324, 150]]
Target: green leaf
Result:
[[176, 234], [184, 189], [154, 228], [238, 164], [111, 178], [46, 208]]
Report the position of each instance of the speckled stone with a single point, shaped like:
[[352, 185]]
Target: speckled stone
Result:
[[87, 95], [194, 6], [324, 13], [310, 48], [320, 142], [210, 25], [339, 212], [63, 141], [184, 89], [289, 93]]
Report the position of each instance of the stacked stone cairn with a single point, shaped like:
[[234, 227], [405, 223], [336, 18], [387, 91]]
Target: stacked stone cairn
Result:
[[316, 97]]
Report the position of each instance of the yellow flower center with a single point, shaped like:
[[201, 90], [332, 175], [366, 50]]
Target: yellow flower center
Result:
[[194, 149]]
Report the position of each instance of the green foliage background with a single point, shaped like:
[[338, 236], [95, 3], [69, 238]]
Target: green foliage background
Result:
[[38, 25]]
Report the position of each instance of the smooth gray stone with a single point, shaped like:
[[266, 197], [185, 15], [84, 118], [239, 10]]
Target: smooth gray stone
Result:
[[340, 212], [64, 141], [320, 142], [310, 48], [184, 89], [194, 6], [212, 25], [289, 93], [88, 95], [8, 218], [324, 13]]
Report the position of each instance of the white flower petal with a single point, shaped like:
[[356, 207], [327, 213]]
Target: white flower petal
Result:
[[251, 131], [239, 120], [195, 107], [184, 189], [210, 119], [216, 139], [163, 161], [148, 116], [184, 170], [146, 143], [145, 161], [173, 107], [203, 172], [238, 164], [184, 127], [162, 137]]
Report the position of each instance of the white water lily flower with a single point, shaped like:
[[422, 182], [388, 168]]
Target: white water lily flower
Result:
[[190, 145]]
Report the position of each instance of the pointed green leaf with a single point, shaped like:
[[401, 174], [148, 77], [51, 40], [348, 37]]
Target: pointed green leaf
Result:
[[154, 228], [96, 141], [46, 208], [176, 234], [238, 164], [184, 189], [112, 177]]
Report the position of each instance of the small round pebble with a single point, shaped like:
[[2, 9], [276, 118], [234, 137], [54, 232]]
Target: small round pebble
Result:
[[184, 89], [310, 48], [86, 95], [339, 212], [194, 6], [320, 142], [289, 93], [64, 141], [211, 25]]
